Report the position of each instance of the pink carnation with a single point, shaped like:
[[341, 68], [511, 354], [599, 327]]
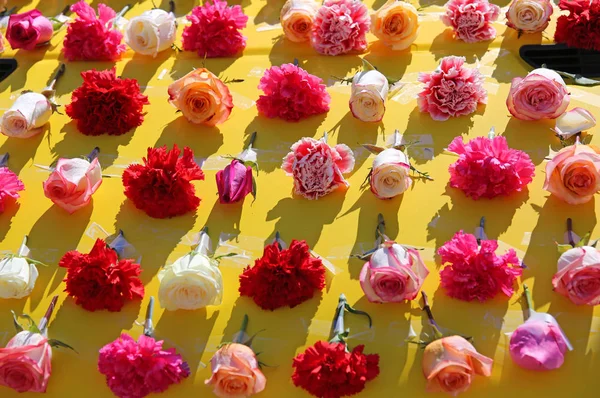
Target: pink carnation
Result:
[[215, 30], [451, 90], [291, 93], [340, 27], [92, 38], [475, 272], [10, 185], [317, 168], [136, 369], [471, 19], [489, 168]]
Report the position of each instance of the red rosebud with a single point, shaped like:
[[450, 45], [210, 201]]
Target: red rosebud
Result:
[[234, 182]]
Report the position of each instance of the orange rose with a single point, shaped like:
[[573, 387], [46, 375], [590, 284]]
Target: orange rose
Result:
[[450, 363], [396, 24], [235, 372], [573, 174], [297, 18], [201, 97]]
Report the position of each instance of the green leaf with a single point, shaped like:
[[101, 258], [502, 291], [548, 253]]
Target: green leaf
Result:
[[33, 328], [16, 322], [367, 66], [254, 187], [584, 241], [563, 248], [59, 344], [217, 258]]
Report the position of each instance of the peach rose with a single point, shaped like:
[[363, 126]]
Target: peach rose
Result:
[[542, 94], [296, 19], [573, 174], [578, 276], [396, 24], [235, 372], [73, 182], [529, 16], [201, 97], [450, 363]]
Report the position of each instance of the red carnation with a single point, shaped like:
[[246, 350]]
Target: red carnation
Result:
[[161, 186], [581, 28], [281, 278], [107, 104], [327, 370], [99, 280]]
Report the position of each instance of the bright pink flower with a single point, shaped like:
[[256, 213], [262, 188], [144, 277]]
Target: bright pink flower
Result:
[[451, 90], [136, 369], [234, 182], [92, 38], [538, 345], [317, 168], [477, 272], [489, 168], [340, 27], [28, 29], [291, 93], [10, 185], [471, 19], [215, 30], [25, 363]]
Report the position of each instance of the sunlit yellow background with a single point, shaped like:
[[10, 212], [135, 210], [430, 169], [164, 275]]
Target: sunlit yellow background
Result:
[[335, 226]]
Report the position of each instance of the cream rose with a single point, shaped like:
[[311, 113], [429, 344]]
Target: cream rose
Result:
[[574, 121], [151, 32], [396, 24], [191, 282], [369, 92], [27, 116], [17, 277], [390, 175], [297, 18], [529, 16]]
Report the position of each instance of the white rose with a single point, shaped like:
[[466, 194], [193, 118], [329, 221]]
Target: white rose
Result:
[[27, 116], [17, 277], [151, 32], [297, 18], [369, 92], [529, 16], [390, 175], [191, 282], [574, 121]]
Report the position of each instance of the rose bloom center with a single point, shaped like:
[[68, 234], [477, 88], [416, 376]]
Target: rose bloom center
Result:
[[17, 376], [527, 15], [302, 25], [394, 24], [234, 385], [579, 179]]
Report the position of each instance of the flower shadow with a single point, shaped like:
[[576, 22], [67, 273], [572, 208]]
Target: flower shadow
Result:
[[22, 150], [187, 61], [226, 217], [532, 137], [203, 140], [379, 55], [269, 13], [143, 68], [445, 44], [183, 7], [174, 328], [11, 207], [506, 68], [73, 79], [26, 60], [285, 51]]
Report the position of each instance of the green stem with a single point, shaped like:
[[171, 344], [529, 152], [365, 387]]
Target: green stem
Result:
[[482, 226], [397, 139], [528, 301], [148, 327], [172, 6], [436, 330], [338, 325], [4, 160], [380, 230], [492, 133], [570, 232], [252, 139], [93, 155], [240, 336], [325, 137], [23, 246], [420, 173], [43, 326]]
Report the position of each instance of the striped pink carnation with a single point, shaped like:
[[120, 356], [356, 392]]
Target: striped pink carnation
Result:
[[341, 27]]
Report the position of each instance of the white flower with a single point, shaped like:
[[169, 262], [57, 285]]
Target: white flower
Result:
[[369, 92], [27, 116], [191, 282], [390, 176], [151, 32], [17, 277], [574, 121]]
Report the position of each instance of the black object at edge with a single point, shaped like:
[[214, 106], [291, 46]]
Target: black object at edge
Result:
[[563, 58], [7, 67]]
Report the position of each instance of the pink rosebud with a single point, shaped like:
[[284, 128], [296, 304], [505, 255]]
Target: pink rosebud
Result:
[[578, 276], [234, 182], [542, 94], [538, 344], [393, 274], [28, 29], [25, 363]]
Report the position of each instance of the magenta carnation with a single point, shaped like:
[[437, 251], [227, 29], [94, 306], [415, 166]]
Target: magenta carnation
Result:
[[489, 168], [136, 369], [471, 19], [291, 93], [10, 185], [451, 90], [476, 272], [215, 30], [340, 27], [92, 38]]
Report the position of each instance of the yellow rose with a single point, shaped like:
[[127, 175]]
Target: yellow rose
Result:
[[369, 92], [191, 282], [201, 97], [396, 24], [390, 176], [297, 18]]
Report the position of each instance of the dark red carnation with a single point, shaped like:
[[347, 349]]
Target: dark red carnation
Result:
[[581, 28], [99, 280], [161, 186], [326, 370], [282, 278], [105, 103]]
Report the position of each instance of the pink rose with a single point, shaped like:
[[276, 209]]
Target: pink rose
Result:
[[451, 90], [29, 29], [340, 27], [25, 363], [73, 182], [234, 182], [471, 19], [393, 274], [529, 16], [573, 174], [317, 168], [542, 94], [538, 344], [235, 372], [578, 276]]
